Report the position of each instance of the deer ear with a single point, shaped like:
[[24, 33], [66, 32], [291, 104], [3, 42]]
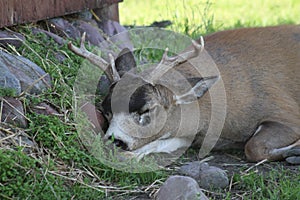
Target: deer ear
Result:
[[197, 91], [125, 61]]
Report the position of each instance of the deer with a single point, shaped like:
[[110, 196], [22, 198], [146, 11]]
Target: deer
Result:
[[260, 71]]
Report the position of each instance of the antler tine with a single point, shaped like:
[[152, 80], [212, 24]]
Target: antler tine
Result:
[[115, 74], [202, 43], [165, 58], [168, 63], [93, 58], [198, 48]]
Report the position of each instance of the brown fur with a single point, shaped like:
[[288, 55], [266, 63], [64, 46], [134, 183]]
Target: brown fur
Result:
[[260, 68]]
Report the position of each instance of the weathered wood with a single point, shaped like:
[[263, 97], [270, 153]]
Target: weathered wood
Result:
[[23, 11]]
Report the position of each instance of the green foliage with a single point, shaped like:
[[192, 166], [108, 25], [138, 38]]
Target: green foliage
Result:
[[22, 177], [206, 16], [276, 184], [7, 92]]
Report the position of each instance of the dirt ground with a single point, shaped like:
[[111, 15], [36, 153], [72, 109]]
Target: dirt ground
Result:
[[233, 162]]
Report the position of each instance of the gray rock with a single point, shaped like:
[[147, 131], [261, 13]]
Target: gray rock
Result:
[[63, 28], [93, 34], [110, 27], [207, 176], [213, 177], [19, 139], [44, 109], [24, 140], [60, 57], [13, 112], [8, 80], [118, 33], [191, 169], [11, 38], [180, 188], [94, 116], [32, 78], [59, 40]]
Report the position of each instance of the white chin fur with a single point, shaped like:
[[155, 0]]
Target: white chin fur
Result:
[[115, 131]]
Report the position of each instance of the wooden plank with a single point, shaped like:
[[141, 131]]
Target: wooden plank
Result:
[[23, 11]]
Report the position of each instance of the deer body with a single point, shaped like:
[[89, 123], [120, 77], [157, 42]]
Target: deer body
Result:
[[260, 69]]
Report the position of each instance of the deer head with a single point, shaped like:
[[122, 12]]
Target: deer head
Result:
[[142, 108]]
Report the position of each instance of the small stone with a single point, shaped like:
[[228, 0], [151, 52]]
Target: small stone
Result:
[[213, 177], [59, 40], [207, 176], [119, 35], [191, 169], [63, 28], [110, 27], [24, 140], [19, 139], [9, 80], [44, 109], [93, 33], [32, 78], [180, 187], [95, 117], [60, 57], [13, 112], [11, 38]]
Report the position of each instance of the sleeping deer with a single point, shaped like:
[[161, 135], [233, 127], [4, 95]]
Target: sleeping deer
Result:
[[260, 71]]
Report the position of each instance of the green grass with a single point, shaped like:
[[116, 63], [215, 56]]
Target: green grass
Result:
[[276, 184], [62, 168], [7, 92], [207, 16]]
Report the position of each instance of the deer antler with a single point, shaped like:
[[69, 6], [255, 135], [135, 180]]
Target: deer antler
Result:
[[168, 63], [112, 73]]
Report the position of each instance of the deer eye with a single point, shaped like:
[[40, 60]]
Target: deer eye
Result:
[[142, 117], [144, 111]]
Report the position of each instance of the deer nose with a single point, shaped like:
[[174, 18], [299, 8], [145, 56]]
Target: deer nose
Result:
[[119, 143]]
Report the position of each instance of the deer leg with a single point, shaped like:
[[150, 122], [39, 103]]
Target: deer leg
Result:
[[292, 155], [163, 146], [273, 141]]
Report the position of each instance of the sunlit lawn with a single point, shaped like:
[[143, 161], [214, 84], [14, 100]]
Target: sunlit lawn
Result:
[[221, 14]]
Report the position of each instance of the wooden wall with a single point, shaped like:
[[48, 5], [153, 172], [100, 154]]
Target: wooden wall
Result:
[[23, 11]]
